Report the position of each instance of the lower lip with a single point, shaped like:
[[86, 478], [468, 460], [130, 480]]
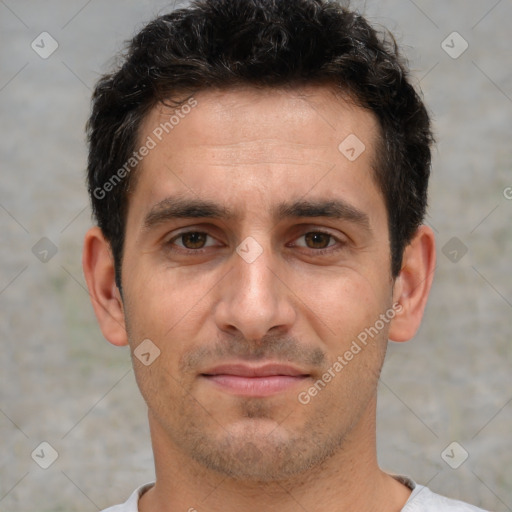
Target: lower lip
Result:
[[255, 386]]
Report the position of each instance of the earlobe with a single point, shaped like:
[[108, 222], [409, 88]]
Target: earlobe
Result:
[[412, 285], [99, 271]]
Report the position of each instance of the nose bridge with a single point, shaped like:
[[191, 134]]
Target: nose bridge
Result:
[[253, 300], [253, 271]]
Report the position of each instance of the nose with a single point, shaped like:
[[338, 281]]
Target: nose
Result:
[[254, 299]]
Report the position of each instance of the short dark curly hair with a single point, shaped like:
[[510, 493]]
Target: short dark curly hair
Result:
[[261, 43]]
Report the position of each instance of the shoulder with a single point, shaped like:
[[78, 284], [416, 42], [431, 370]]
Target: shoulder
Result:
[[131, 505], [423, 499]]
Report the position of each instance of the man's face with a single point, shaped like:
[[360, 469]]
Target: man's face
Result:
[[252, 297]]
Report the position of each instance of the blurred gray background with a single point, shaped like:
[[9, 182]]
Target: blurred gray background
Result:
[[62, 383]]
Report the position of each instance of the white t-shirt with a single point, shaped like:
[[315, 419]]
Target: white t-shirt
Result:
[[421, 500]]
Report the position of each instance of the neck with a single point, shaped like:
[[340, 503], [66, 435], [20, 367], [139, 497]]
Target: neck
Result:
[[349, 480]]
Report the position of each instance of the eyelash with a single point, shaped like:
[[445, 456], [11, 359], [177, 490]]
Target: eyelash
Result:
[[327, 250]]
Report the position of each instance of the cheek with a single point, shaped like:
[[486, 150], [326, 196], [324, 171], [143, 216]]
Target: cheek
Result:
[[341, 303], [348, 310], [164, 302]]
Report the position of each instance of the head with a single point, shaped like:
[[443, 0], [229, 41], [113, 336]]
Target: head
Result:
[[258, 170]]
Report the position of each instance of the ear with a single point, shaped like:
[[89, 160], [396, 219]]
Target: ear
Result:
[[412, 286], [98, 266]]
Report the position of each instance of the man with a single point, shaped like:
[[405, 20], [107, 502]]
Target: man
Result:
[[258, 170]]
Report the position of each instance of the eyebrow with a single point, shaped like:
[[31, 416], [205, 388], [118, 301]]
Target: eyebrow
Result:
[[333, 209], [179, 208]]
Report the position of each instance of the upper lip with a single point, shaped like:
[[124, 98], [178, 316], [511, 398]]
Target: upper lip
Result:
[[262, 370]]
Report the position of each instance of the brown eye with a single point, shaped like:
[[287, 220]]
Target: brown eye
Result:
[[193, 240], [317, 240]]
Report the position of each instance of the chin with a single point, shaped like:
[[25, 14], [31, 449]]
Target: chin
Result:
[[259, 451]]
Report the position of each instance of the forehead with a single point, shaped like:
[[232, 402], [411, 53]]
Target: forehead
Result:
[[260, 144], [312, 115]]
